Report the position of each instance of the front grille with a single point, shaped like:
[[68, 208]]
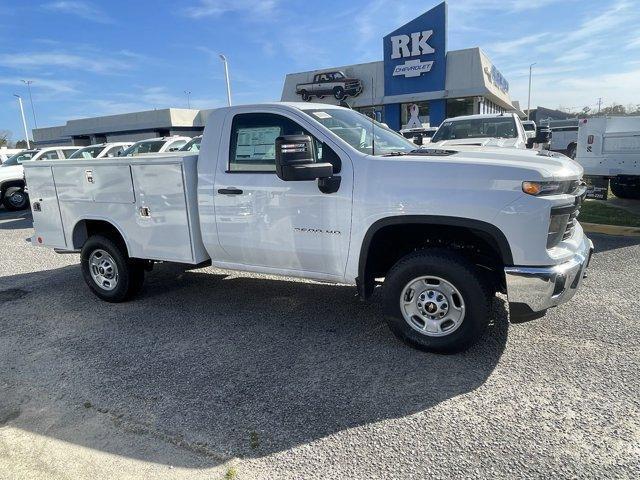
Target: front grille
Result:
[[571, 224], [563, 222]]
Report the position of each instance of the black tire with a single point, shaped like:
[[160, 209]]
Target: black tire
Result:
[[130, 272], [571, 151], [338, 93], [15, 199], [622, 190], [305, 95], [453, 268]]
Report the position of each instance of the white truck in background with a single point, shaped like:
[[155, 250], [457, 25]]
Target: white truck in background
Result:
[[322, 192], [502, 130], [609, 148]]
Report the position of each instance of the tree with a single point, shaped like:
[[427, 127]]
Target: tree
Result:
[[21, 144], [5, 138]]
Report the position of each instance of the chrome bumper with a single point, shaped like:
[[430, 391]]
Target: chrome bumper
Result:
[[532, 290]]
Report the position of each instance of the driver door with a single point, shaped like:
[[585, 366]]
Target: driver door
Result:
[[265, 222]]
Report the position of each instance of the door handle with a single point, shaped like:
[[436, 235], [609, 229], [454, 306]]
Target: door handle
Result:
[[230, 191]]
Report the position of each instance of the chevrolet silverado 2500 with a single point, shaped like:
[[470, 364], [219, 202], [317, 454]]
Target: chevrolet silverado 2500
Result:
[[325, 193]]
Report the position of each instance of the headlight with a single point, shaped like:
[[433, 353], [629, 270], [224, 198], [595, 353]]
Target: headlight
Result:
[[549, 188]]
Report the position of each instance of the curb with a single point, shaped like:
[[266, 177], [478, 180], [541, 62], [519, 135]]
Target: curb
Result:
[[611, 229]]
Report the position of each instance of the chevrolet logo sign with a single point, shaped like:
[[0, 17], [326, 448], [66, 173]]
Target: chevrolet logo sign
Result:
[[413, 68]]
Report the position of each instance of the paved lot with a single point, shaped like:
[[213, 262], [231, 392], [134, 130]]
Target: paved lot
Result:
[[208, 374]]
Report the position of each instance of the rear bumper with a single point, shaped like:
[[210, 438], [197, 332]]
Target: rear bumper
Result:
[[533, 290]]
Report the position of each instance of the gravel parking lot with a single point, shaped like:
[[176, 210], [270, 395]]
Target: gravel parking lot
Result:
[[210, 374]]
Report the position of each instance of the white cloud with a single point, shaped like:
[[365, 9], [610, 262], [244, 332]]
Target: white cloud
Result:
[[44, 84], [42, 60], [208, 8], [81, 9]]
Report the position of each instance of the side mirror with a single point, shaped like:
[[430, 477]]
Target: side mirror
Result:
[[296, 159], [530, 134]]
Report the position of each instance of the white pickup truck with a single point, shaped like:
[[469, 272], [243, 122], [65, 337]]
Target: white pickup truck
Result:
[[504, 130], [323, 192]]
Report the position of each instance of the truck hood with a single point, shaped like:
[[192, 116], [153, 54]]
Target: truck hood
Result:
[[549, 165], [11, 172], [480, 142]]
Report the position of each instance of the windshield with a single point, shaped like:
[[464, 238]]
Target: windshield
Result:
[[88, 152], [145, 146], [497, 127], [18, 158], [192, 146], [356, 129]]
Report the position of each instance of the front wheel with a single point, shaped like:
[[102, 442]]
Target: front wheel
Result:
[[108, 271], [622, 189], [15, 199], [436, 301], [338, 93]]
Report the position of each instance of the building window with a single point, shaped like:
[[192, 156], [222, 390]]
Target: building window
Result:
[[459, 106], [405, 113], [376, 112]]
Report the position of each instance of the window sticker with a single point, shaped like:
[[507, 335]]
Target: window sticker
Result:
[[323, 115]]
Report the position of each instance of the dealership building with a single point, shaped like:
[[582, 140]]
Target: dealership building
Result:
[[417, 82], [126, 127]]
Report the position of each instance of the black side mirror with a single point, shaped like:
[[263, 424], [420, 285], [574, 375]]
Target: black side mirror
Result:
[[296, 159], [418, 140]]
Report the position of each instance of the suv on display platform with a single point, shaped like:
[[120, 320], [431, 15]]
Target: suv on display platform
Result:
[[334, 83]]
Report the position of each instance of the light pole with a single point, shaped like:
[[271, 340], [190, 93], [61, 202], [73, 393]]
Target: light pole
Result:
[[24, 121], [226, 76], [33, 110], [187, 93], [529, 100]]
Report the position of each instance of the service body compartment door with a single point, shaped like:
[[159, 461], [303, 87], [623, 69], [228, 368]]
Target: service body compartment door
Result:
[[163, 231], [95, 183], [47, 222]]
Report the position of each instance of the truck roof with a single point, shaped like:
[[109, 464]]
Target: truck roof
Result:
[[483, 115]]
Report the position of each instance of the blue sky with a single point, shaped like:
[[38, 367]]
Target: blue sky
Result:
[[92, 57]]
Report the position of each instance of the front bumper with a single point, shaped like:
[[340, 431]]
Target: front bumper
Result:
[[533, 290]]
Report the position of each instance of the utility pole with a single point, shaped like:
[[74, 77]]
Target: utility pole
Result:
[[187, 93], [529, 99], [33, 110], [24, 121], [226, 76], [599, 104]]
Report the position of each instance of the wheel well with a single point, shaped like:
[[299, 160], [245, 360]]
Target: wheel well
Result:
[[87, 228], [389, 240]]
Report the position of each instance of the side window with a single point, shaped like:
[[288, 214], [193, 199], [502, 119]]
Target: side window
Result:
[[51, 155], [114, 151], [68, 153], [253, 140], [176, 145]]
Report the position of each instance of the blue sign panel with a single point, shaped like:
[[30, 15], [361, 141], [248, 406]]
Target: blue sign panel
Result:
[[415, 54]]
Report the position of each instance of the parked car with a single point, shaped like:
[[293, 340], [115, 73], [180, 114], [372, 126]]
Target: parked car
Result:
[[419, 136], [101, 150], [5, 153], [489, 130], [609, 148], [193, 145], [155, 145], [12, 184], [334, 83], [322, 192]]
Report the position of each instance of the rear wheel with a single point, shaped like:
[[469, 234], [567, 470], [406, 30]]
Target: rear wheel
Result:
[[108, 271], [571, 151], [15, 199], [305, 95], [436, 301], [624, 188]]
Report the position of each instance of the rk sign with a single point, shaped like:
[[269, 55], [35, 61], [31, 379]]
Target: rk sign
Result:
[[403, 46]]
